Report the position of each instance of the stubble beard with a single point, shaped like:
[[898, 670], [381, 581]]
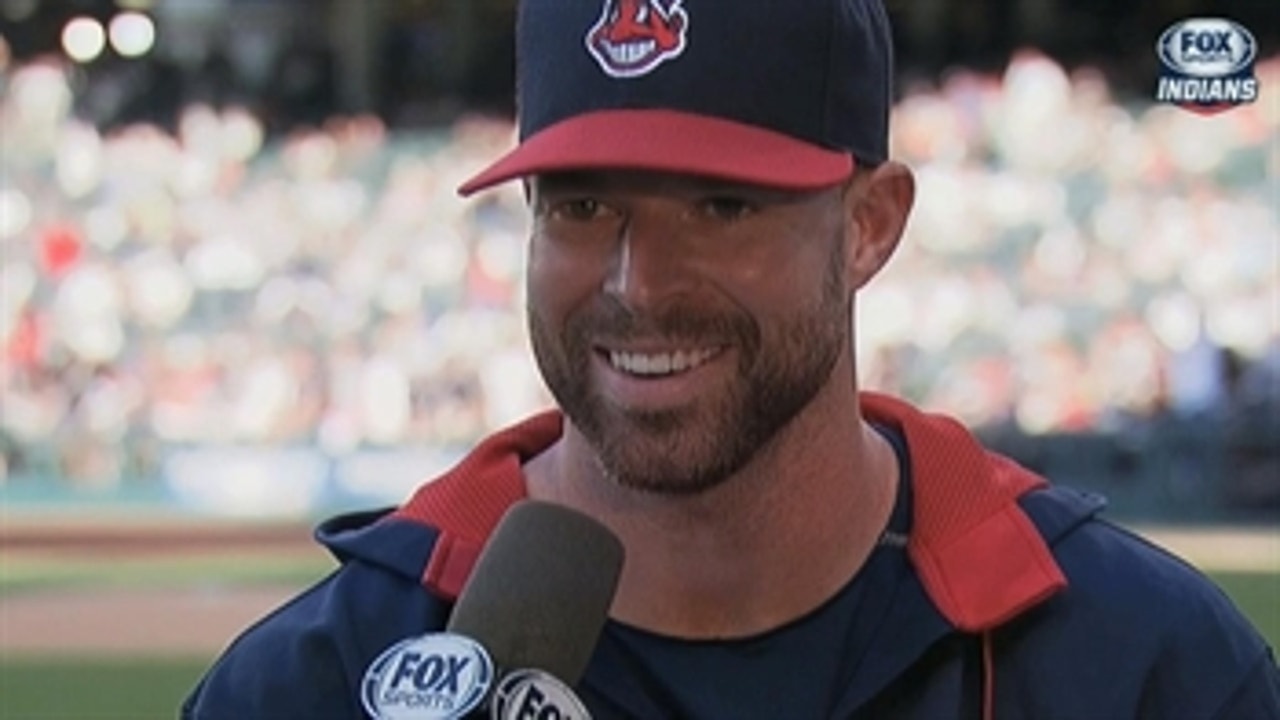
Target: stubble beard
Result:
[[690, 449]]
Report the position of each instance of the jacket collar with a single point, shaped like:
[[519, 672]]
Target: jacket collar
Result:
[[979, 557]]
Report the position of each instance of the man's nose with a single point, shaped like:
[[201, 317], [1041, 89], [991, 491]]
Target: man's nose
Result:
[[650, 264]]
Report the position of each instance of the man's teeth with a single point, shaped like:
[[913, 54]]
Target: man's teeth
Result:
[[659, 363]]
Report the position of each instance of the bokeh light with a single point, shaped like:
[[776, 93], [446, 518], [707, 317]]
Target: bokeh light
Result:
[[132, 34], [83, 39]]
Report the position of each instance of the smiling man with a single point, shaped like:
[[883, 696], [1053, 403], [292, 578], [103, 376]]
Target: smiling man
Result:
[[682, 322], [711, 186]]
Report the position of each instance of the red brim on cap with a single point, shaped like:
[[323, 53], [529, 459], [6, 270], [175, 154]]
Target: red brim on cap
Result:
[[669, 141]]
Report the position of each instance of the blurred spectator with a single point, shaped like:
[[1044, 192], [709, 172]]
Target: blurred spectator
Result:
[[1087, 266]]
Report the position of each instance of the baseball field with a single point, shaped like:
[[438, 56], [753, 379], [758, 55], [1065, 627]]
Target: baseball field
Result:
[[116, 620]]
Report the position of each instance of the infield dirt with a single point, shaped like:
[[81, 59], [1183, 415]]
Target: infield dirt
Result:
[[200, 616]]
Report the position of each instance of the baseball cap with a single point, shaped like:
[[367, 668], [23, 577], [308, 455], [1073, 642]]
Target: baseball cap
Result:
[[782, 93]]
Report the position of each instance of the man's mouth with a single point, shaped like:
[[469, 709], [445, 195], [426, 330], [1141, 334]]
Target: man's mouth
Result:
[[660, 364]]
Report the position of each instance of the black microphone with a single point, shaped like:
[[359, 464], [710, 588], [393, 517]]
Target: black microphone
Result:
[[537, 601]]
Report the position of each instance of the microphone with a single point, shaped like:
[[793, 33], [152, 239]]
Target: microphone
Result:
[[529, 617], [537, 601]]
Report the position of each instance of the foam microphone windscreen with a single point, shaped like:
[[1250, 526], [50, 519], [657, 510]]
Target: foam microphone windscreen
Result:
[[540, 592]]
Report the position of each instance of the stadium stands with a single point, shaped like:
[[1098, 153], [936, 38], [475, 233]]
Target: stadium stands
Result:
[[1093, 281]]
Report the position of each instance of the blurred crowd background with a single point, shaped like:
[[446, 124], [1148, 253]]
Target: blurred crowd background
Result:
[[213, 273]]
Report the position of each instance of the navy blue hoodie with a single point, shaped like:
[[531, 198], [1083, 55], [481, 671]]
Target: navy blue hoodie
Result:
[[1020, 603]]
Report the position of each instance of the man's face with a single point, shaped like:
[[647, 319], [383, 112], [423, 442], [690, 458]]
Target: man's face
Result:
[[680, 323]]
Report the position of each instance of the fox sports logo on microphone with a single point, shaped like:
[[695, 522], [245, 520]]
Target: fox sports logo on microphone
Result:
[[1206, 65], [535, 695], [437, 676]]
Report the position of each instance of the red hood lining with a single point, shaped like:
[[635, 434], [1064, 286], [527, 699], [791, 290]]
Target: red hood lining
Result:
[[979, 556]]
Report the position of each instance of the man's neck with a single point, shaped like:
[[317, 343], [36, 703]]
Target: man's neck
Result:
[[770, 544]]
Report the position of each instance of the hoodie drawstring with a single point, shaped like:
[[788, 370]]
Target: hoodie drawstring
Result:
[[988, 678]]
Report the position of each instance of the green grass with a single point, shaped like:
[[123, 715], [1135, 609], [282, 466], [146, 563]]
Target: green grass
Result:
[[101, 689], [19, 574], [71, 688], [1258, 597], [123, 688]]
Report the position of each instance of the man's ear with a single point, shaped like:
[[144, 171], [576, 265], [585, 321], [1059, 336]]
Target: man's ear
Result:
[[878, 204]]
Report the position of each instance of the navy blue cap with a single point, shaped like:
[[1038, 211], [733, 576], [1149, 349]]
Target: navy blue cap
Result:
[[781, 93]]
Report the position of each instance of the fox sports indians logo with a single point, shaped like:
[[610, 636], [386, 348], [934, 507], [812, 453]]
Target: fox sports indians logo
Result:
[[1207, 65], [438, 676], [632, 37]]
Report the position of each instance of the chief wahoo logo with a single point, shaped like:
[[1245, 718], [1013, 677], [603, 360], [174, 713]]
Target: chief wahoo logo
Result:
[[632, 37]]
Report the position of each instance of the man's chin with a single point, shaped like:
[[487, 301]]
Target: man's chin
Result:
[[670, 486], [679, 451], [666, 466]]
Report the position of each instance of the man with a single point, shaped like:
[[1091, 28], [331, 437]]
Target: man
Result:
[[710, 186]]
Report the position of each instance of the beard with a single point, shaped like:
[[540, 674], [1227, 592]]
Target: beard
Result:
[[692, 448]]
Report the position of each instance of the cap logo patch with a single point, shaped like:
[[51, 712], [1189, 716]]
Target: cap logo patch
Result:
[[632, 37]]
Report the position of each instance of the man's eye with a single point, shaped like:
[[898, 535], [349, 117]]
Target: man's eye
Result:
[[726, 208], [579, 209]]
